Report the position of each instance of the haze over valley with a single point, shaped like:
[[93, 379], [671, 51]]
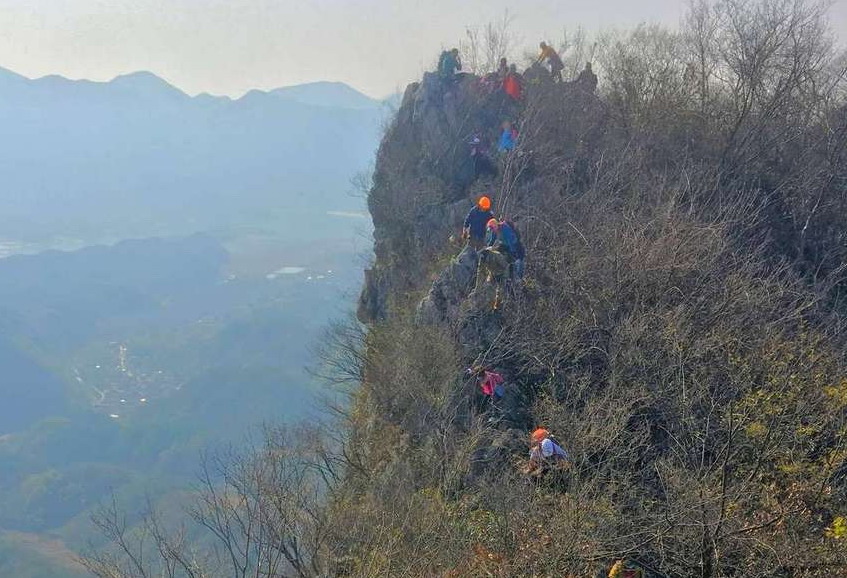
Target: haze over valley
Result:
[[167, 266]]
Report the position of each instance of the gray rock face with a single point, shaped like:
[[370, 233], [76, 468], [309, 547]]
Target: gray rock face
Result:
[[424, 185], [449, 290], [373, 299]]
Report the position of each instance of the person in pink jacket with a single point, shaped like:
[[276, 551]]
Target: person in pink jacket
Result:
[[490, 382]]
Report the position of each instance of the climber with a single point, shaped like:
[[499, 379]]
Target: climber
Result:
[[508, 137], [474, 226], [552, 57], [495, 260], [511, 240], [448, 64], [513, 83], [482, 164], [587, 80], [545, 452], [493, 268], [490, 382], [504, 237], [626, 569], [503, 68]]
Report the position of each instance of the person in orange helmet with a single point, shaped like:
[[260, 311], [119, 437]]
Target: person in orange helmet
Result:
[[474, 226], [544, 449]]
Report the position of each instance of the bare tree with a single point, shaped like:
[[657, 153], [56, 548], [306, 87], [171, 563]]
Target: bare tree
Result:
[[259, 513], [483, 47]]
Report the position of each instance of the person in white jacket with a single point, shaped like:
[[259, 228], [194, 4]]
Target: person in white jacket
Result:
[[544, 450]]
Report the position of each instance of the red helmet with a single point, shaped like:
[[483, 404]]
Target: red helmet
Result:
[[484, 203], [492, 224]]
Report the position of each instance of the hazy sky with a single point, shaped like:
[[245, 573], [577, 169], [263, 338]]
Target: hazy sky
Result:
[[231, 46]]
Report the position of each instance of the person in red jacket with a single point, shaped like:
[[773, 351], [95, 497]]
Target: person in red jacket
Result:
[[493, 388], [513, 83]]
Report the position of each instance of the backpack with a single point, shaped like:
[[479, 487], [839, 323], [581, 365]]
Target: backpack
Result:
[[510, 239], [517, 248]]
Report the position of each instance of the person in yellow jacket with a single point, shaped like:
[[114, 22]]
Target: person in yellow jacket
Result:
[[625, 569], [552, 57]]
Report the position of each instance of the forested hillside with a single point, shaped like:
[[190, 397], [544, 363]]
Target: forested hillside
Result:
[[680, 330]]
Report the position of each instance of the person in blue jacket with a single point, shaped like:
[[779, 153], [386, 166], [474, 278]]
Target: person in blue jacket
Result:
[[474, 226], [508, 138], [504, 237]]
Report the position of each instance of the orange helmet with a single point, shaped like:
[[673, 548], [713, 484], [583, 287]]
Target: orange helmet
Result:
[[539, 434], [492, 224], [484, 203]]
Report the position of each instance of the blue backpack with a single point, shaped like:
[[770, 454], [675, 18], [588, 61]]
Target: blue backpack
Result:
[[510, 239]]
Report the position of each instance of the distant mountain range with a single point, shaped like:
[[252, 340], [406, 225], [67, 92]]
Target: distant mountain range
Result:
[[123, 359], [147, 85], [137, 157]]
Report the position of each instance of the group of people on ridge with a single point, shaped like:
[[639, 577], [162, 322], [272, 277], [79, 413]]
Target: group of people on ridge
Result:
[[485, 233], [498, 240], [449, 63], [507, 75]]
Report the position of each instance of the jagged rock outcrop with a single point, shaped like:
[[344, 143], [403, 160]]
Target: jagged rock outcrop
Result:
[[444, 300], [424, 184], [420, 196], [424, 181]]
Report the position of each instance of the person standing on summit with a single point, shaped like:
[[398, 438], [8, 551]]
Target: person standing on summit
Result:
[[474, 225], [552, 57], [502, 69], [448, 64], [587, 80]]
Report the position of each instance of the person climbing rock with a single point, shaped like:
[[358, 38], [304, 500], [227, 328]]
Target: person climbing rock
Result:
[[490, 382], [626, 569], [474, 226], [587, 80], [508, 138], [448, 64], [504, 237], [494, 269], [491, 385], [513, 83], [545, 453], [552, 57], [482, 163], [511, 238]]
